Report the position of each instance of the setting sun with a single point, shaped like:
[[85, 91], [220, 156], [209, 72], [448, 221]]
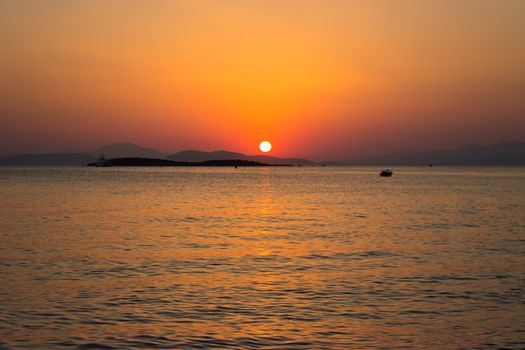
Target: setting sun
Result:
[[265, 146], [130, 128]]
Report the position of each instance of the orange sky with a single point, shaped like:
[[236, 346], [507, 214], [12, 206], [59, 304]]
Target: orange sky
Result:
[[321, 79]]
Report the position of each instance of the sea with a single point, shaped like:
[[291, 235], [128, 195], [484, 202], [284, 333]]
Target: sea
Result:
[[262, 258]]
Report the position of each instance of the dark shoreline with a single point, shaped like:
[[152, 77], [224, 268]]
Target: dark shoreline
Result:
[[165, 162]]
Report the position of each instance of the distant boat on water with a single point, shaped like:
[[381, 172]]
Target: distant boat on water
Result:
[[102, 162], [386, 173]]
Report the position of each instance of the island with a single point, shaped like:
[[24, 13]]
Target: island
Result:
[[165, 162]]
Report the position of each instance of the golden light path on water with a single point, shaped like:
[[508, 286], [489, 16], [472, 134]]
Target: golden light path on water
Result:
[[261, 257]]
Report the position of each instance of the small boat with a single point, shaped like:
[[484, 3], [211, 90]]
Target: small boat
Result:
[[386, 173], [103, 162]]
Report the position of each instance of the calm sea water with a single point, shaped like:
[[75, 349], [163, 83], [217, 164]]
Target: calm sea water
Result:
[[273, 258]]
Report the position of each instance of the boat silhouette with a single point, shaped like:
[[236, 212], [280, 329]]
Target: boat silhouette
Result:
[[386, 173]]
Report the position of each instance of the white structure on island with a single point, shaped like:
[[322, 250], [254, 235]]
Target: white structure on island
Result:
[[103, 162]]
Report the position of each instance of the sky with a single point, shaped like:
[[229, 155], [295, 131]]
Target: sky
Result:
[[324, 79]]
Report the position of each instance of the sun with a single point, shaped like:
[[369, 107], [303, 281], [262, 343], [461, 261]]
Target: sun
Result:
[[265, 146]]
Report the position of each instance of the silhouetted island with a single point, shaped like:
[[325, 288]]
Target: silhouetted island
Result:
[[165, 162], [507, 153]]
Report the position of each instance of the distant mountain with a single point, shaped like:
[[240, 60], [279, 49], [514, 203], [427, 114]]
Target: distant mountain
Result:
[[281, 161], [165, 162], [116, 150], [126, 150], [47, 159], [200, 156], [508, 153]]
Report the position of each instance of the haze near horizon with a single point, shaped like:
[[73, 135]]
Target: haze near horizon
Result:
[[321, 80]]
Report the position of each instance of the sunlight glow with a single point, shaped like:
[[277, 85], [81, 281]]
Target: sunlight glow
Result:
[[265, 146]]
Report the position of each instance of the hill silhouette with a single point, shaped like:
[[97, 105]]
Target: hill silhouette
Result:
[[506, 153], [165, 162], [124, 149], [199, 156], [49, 159]]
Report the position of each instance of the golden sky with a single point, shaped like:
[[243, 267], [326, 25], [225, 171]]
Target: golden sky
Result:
[[327, 79]]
